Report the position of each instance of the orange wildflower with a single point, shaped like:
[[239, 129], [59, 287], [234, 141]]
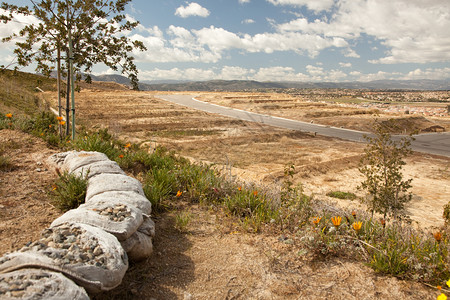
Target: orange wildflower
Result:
[[336, 221], [239, 188], [179, 193], [354, 214], [9, 116], [128, 145], [255, 193], [121, 156], [357, 226], [62, 123], [437, 236], [59, 118], [317, 220]]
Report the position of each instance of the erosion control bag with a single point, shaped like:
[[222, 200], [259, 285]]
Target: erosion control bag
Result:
[[138, 247], [91, 257], [32, 284], [131, 198], [97, 168], [112, 182], [121, 220]]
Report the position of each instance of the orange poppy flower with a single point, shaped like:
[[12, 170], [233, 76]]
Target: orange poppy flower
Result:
[[179, 193], [357, 226], [336, 221], [128, 145], [437, 236], [9, 116]]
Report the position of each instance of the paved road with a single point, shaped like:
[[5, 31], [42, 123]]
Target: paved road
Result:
[[433, 143]]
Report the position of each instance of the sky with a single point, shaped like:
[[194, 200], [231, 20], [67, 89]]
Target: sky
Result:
[[285, 40]]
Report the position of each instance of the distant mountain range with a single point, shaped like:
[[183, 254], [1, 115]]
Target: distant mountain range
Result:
[[249, 85]]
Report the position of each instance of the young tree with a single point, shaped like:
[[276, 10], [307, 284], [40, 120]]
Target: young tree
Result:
[[382, 168], [88, 31]]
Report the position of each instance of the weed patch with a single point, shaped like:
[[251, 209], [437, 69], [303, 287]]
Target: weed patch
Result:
[[69, 191]]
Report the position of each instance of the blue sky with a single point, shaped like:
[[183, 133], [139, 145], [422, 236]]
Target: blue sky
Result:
[[287, 40]]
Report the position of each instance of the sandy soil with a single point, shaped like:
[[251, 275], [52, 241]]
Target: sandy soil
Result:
[[25, 209]]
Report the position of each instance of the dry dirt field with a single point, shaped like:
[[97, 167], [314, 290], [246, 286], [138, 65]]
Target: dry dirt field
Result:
[[254, 152], [210, 260]]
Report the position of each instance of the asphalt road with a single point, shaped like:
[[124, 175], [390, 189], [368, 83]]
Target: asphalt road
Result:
[[432, 143]]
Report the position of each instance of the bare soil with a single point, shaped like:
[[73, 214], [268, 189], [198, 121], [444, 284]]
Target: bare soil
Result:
[[210, 260]]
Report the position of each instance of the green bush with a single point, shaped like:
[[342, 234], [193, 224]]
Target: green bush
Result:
[[99, 141], [69, 191], [342, 195]]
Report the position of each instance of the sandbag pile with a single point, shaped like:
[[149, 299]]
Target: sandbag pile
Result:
[[88, 246]]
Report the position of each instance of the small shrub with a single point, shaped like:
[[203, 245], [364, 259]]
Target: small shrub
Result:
[[159, 185], [182, 220], [5, 164], [69, 191], [99, 141], [342, 195]]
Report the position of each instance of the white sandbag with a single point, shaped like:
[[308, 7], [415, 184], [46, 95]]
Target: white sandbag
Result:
[[57, 160], [125, 197], [112, 182], [147, 227], [121, 220], [138, 247], [91, 257], [77, 159], [34, 284], [97, 168]]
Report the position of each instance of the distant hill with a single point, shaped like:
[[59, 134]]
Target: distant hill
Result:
[[242, 85], [249, 85]]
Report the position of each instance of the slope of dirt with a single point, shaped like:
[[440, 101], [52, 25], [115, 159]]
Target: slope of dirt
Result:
[[25, 209]]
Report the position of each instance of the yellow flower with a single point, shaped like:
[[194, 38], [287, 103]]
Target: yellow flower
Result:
[[437, 236], [336, 221], [128, 145], [317, 220], [9, 116], [179, 193], [448, 283], [59, 118], [441, 297], [357, 226]]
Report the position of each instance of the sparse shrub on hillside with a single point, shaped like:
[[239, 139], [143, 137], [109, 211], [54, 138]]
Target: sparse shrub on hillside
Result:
[[382, 168], [100, 141], [342, 195], [69, 191]]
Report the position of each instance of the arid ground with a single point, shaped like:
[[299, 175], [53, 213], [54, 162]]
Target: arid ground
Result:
[[209, 260]]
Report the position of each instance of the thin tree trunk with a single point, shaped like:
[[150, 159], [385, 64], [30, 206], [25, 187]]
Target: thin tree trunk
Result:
[[68, 102]]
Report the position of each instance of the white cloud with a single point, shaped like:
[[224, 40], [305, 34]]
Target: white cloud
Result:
[[413, 31], [244, 1], [429, 73], [235, 73], [345, 65], [248, 21], [316, 5], [193, 9]]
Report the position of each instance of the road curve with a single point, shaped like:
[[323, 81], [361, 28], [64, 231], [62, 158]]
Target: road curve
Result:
[[432, 143]]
